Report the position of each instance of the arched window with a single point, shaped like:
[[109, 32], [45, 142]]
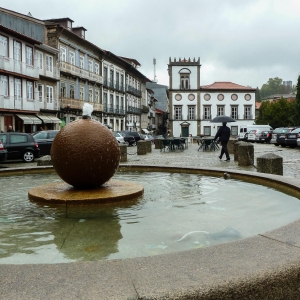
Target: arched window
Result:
[[184, 78]]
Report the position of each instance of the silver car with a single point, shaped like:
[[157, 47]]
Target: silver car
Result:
[[119, 138]]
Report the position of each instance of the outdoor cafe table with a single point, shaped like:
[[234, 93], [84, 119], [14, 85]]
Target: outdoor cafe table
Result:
[[208, 144]]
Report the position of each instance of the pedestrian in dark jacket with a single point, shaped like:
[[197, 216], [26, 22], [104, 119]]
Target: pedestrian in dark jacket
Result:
[[223, 134]]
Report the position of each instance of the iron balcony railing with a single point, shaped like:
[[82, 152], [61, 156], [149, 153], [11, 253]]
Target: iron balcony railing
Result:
[[132, 90]]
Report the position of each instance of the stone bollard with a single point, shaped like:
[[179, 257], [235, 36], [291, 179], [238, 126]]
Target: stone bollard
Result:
[[148, 146], [246, 154], [230, 145], [123, 155], [141, 147], [270, 163], [236, 150], [44, 161], [158, 143]]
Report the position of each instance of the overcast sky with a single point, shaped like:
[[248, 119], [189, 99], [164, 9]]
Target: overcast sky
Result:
[[242, 41]]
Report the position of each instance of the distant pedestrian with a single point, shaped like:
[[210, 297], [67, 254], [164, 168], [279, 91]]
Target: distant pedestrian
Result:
[[10, 129], [223, 134]]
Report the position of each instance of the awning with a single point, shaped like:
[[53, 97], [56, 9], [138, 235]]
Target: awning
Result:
[[45, 119], [55, 120], [49, 119], [146, 131], [34, 119], [25, 119]]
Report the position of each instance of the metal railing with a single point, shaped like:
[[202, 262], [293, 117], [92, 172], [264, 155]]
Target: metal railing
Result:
[[17, 102], [74, 70]]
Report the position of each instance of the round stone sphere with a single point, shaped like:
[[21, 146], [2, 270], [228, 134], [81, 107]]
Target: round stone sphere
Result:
[[85, 154]]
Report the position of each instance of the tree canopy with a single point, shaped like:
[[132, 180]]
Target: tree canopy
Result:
[[274, 86]]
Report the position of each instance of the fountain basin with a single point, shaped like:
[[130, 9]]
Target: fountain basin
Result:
[[264, 266]]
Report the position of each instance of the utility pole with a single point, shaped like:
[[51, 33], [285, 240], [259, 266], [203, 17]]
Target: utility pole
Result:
[[154, 63]]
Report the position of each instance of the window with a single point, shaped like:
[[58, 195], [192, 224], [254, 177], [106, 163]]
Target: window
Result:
[[29, 89], [97, 96], [49, 63], [247, 97], [49, 94], [17, 51], [185, 81], [18, 89], [234, 97], [111, 102], [207, 97], [29, 54], [122, 104], [3, 46], [234, 130], [247, 112], [105, 101], [207, 113], [62, 53], [90, 65], [69, 25], [81, 61], [234, 112], [81, 93], [105, 75], [191, 113], [220, 110], [177, 113], [4, 84], [39, 56], [63, 92], [91, 95], [111, 77], [72, 91], [220, 97], [16, 139], [207, 130], [72, 57], [117, 104], [117, 80], [97, 68], [40, 91], [122, 81]]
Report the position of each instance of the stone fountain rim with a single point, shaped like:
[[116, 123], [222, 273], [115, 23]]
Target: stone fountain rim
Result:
[[264, 265]]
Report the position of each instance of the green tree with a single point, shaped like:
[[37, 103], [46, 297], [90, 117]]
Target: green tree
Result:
[[257, 95], [273, 86], [297, 103]]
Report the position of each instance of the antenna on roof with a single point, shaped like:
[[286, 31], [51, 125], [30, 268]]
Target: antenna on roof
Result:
[[29, 14], [154, 63]]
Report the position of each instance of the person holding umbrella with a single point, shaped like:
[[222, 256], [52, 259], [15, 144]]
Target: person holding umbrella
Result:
[[223, 134]]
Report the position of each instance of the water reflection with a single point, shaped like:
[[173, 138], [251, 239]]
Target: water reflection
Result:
[[176, 213]]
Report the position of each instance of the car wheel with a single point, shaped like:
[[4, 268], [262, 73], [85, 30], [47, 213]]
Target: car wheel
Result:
[[276, 144], [282, 145], [28, 156]]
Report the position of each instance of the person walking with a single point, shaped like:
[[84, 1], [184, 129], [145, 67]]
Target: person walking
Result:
[[223, 134]]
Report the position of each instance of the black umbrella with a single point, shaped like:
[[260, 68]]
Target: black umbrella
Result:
[[222, 119]]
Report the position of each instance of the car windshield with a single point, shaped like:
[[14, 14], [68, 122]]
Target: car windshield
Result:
[[116, 134]]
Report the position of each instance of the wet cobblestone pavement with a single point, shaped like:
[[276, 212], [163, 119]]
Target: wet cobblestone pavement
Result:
[[204, 159]]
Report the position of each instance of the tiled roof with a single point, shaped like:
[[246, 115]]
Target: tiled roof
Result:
[[257, 105], [223, 85]]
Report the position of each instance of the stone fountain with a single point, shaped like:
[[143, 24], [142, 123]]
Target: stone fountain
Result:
[[86, 155]]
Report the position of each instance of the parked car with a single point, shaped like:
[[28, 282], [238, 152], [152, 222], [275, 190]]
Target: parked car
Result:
[[3, 152], [274, 135], [148, 137], [257, 135], [135, 134], [45, 139], [265, 137], [128, 138], [251, 135], [20, 146], [280, 140], [119, 137], [291, 138]]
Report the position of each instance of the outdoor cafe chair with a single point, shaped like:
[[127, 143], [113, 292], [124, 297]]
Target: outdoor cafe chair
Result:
[[166, 144]]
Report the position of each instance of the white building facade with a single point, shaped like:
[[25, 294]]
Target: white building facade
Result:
[[192, 106]]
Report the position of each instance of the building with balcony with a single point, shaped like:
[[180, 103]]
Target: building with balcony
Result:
[[27, 70], [192, 106], [80, 69]]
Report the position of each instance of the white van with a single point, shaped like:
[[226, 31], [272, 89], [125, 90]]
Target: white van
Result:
[[247, 128]]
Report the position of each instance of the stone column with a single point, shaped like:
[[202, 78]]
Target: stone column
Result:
[[230, 145], [123, 150], [246, 154], [235, 150], [141, 147], [148, 146], [270, 163]]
